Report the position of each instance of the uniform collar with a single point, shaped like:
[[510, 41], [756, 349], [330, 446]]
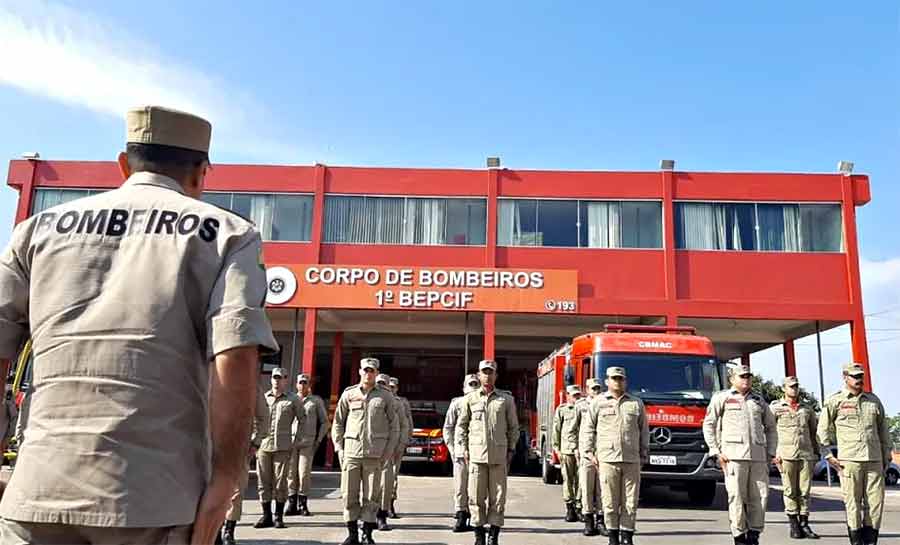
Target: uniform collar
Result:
[[154, 179], [271, 393], [608, 395], [847, 394]]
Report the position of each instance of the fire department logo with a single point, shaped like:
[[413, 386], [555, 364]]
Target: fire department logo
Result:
[[661, 436], [282, 285]]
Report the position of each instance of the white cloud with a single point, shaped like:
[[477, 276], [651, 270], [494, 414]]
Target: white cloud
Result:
[[881, 300], [69, 56]]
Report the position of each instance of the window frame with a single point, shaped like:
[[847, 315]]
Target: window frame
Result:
[[275, 195]]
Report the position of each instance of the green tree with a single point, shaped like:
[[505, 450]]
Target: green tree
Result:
[[894, 426], [771, 391]]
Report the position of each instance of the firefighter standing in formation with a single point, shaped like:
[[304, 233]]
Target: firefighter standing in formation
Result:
[[486, 437], [309, 438], [389, 473], [566, 422], [617, 439], [854, 421], [286, 414], [405, 437], [460, 467], [365, 432], [796, 455], [588, 476], [740, 429]]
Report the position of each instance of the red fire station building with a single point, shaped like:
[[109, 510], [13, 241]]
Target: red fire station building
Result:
[[431, 270]]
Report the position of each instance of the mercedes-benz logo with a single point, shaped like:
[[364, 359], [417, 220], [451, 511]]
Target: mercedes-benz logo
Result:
[[661, 436]]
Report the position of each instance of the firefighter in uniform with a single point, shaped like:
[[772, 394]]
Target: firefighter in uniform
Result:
[[486, 435], [854, 421], [286, 414], [389, 473], [365, 432], [617, 439], [308, 440], [566, 422], [588, 476], [739, 428], [394, 385], [796, 455], [259, 432], [144, 305], [460, 468]]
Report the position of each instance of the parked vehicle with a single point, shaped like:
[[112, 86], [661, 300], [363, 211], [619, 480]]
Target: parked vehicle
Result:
[[427, 443], [891, 474]]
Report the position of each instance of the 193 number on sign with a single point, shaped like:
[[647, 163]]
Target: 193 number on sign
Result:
[[559, 306]]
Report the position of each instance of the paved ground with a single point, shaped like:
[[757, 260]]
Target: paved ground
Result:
[[534, 517]]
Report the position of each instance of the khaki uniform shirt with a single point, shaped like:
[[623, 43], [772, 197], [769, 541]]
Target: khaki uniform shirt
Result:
[[796, 425], [450, 421], [260, 428], [315, 426], [616, 429], [407, 413], [405, 427], [365, 424], [566, 422], [127, 296], [286, 414], [857, 424], [488, 427], [740, 427]]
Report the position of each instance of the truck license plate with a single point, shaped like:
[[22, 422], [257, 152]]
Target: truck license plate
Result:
[[414, 450], [663, 460]]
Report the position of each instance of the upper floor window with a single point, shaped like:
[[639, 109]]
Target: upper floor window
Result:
[[278, 216], [758, 226], [574, 223], [45, 198], [405, 220]]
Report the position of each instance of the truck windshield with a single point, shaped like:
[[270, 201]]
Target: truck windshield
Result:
[[665, 376]]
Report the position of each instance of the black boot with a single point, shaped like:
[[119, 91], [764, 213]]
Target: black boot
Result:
[[218, 540], [590, 526], [368, 528], [468, 521], [855, 536], [601, 525], [579, 511], [627, 537], [479, 535], [796, 531], [304, 507], [381, 520], [292, 510], [741, 539], [869, 535], [460, 525], [753, 537], [352, 534], [807, 531], [279, 514], [614, 537], [571, 516], [265, 521], [494, 535], [392, 513], [228, 532]]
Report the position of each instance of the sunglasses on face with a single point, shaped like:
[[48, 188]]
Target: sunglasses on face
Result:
[[791, 386], [617, 378], [745, 376], [856, 377]]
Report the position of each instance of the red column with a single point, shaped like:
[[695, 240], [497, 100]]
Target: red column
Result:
[[490, 256], [309, 342], [336, 358], [490, 326], [790, 362], [858, 324], [26, 192], [668, 204]]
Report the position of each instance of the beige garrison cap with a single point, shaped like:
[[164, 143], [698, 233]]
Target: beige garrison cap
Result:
[[278, 372], [303, 377], [382, 379], [167, 127], [592, 383], [487, 364], [573, 389], [369, 363], [615, 372], [791, 381], [854, 368], [394, 381], [471, 379], [740, 370]]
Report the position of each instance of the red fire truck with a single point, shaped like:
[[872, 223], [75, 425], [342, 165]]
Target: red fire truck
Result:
[[672, 369]]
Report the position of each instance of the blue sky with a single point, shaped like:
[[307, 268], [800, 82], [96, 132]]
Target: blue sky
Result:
[[783, 86]]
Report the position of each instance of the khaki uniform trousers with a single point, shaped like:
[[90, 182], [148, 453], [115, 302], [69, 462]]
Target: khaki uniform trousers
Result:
[[300, 470], [272, 470], [862, 484], [747, 484], [396, 477], [589, 481], [389, 478], [237, 499], [796, 478], [568, 466], [487, 493], [620, 489], [361, 488], [26, 533], [460, 486]]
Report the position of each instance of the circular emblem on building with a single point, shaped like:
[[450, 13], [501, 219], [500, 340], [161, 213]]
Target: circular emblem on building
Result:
[[550, 305], [661, 436], [282, 285]]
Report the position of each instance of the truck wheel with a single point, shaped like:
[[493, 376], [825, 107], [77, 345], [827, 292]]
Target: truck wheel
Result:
[[546, 468], [702, 493]]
